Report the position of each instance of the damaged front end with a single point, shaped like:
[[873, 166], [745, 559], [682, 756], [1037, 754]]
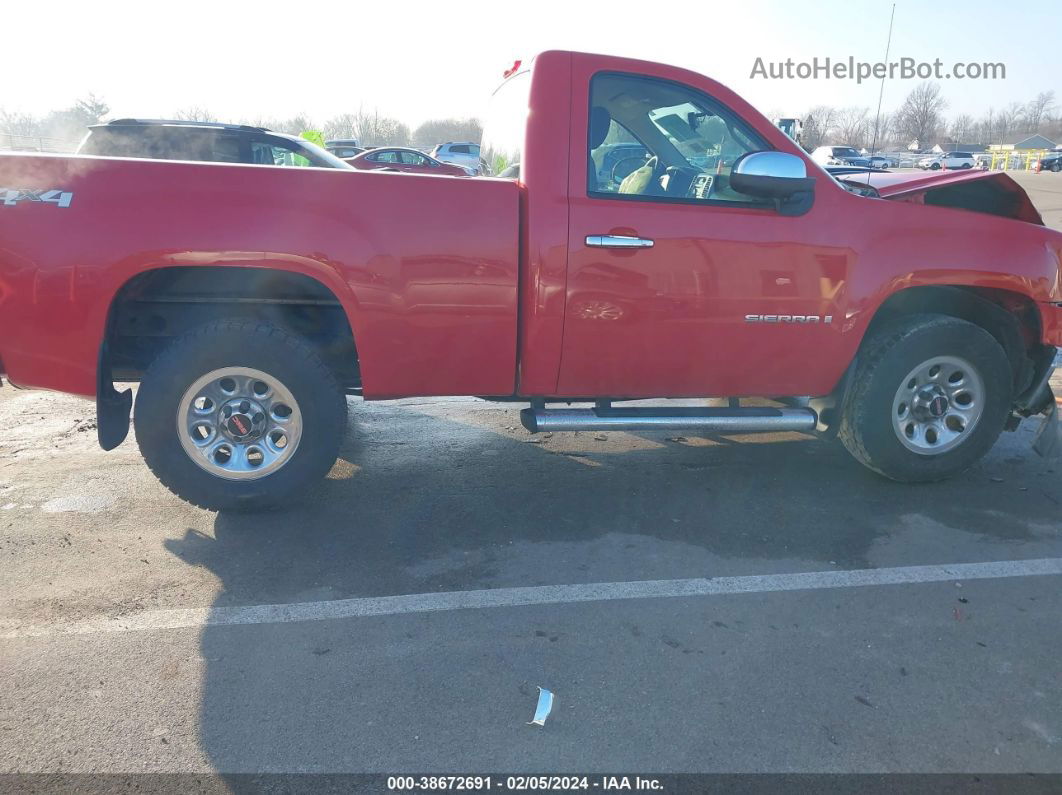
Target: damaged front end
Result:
[[989, 192]]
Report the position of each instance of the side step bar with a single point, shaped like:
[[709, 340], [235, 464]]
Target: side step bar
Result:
[[714, 420]]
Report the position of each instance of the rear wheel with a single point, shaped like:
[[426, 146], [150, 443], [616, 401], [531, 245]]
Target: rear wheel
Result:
[[930, 397], [1056, 166], [239, 415]]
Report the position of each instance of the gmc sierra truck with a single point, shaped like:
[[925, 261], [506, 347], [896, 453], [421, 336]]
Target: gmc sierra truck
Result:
[[913, 316]]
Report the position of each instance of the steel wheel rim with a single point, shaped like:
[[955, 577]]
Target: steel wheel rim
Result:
[[938, 405], [238, 423]]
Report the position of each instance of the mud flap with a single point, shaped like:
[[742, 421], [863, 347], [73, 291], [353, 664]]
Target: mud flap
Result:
[[112, 406], [1048, 441]]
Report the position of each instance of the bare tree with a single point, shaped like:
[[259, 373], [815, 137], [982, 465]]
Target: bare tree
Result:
[[919, 117], [341, 126], [852, 126], [437, 131], [90, 110], [961, 128], [1051, 127], [1008, 120], [881, 131], [985, 127], [194, 113], [1038, 110], [372, 129], [818, 123], [69, 124], [292, 126], [19, 123]]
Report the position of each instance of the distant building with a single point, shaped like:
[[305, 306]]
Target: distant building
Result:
[[971, 148], [1023, 141]]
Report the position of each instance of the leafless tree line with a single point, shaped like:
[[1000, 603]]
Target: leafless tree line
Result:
[[67, 124], [368, 126], [921, 118]]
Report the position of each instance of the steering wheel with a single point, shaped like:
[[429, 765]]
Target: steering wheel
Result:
[[625, 167]]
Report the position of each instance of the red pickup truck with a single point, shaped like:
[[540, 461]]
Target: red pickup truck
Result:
[[915, 316]]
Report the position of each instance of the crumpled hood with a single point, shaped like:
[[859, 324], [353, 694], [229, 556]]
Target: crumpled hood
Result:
[[988, 191]]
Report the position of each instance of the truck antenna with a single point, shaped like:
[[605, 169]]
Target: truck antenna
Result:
[[881, 91]]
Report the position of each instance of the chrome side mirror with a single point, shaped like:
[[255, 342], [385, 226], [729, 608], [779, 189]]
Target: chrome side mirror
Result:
[[780, 176]]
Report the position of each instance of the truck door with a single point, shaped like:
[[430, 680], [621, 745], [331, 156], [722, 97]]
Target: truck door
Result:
[[676, 282]]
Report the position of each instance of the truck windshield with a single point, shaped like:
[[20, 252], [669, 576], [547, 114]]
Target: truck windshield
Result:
[[506, 123]]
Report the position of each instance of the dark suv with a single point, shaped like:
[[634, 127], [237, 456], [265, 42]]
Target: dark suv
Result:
[[161, 139], [1052, 161]]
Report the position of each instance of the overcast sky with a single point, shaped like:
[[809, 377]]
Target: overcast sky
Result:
[[413, 60]]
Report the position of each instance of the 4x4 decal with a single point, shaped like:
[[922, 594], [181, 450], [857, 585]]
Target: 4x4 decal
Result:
[[10, 197]]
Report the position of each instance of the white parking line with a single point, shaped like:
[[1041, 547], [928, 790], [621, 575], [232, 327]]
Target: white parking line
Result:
[[536, 595]]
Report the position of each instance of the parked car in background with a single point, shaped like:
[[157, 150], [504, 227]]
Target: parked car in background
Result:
[[880, 162], [947, 160], [400, 158], [344, 147], [164, 139], [1049, 162], [463, 153], [839, 156]]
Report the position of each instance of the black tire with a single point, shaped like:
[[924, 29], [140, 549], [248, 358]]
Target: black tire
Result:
[[885, 360], [250, 344], [935, 167], [1056, 166]]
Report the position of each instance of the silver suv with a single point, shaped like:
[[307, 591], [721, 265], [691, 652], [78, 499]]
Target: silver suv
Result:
[[461, 153]]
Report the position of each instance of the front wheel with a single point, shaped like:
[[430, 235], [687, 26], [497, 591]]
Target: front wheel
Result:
[[239, 415], [930, 396], [1056, 166]]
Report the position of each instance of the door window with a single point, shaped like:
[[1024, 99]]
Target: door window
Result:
[[653, 139], [387, 156], [271, 153], [414, 159]]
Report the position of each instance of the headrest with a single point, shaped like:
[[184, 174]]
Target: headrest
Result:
[[599, 122]]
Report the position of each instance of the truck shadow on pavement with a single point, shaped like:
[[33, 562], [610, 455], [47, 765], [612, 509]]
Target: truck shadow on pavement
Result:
[[423, 504], [439, 504]]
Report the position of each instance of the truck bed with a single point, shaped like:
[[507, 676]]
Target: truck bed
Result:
[[426, 268]]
